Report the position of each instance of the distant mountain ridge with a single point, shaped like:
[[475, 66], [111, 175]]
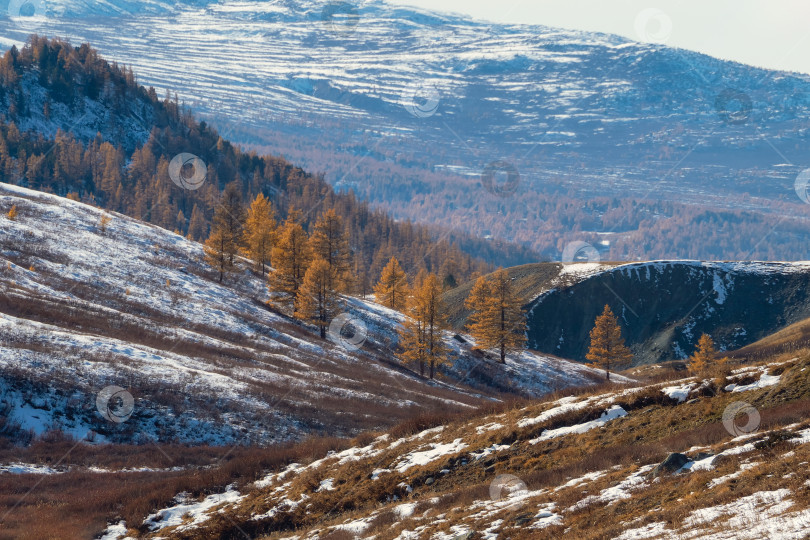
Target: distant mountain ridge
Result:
[[85, 8], [73, 122], [658, 152]]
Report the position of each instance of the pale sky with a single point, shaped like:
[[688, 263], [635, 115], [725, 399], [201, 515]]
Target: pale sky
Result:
[[767, 33]]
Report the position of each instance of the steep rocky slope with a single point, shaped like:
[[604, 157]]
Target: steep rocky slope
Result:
[[665, 306]]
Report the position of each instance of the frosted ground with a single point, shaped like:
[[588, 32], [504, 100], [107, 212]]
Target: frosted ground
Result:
[[135, 306]]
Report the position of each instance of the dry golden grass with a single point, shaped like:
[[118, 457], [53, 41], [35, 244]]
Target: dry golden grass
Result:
[[792, 340], [655, 426], [79, 503]]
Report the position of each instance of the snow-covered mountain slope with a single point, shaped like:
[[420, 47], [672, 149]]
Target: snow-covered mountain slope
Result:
[[26, 12], [665, 306], [715, 458], [85, 305], [358, 90]]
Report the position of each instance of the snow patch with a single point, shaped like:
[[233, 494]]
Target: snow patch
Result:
[[611, 414], [678, 393], [424, 457], [187, 514]]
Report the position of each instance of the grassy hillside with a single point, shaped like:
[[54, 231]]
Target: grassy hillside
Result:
[[581, 464], [529, 279], [663, 306], [792, 338], [83, 306]]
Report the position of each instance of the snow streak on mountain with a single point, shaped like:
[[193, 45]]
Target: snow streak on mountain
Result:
[[366, 91]]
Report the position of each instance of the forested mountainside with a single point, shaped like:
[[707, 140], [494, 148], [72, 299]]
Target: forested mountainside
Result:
[[74, 124], [660, 153]]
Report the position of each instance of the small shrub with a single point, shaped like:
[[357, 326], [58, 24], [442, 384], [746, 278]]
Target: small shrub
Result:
[[383, 521], [775, 438], [339, 534], [103, 222], [364, 439], [419, 423]]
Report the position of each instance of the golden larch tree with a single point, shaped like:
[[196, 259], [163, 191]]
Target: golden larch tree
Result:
[[330, 242], [510, 318], [226, 232], [197, 226], [705, 355], [411, 343], [392, 289], [420, 278], [12, 214], [290, 257], [260, 231], [607, 350], [476, 302], [215, 249], [497, 321], [104, 222], [361, 275], [317, 301], [421, 333], [229, 218]]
